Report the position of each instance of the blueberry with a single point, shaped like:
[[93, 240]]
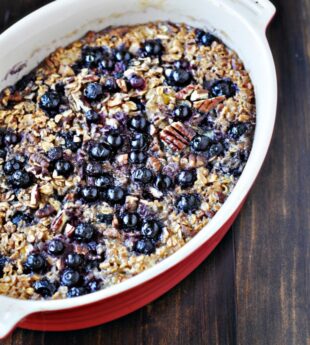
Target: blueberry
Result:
[[93, 91], [205, 38], [182, 112], [138, 123], [235, 131], [93, 285], [115, 195], [103, 181], [100, 152], [63, 167], [152, 48], [92, 116], [181, 64], [110, 85], [151, 229], [22, 84], [21, 179], [138, 142], [35, 263], [89, 193], [91, 56], [70, 142], [93, 169], [130, 221], [2, 153], [137, 82], [70, 277], [105, 218], [60, 88], [186, 178], [20, 158], [56, 247], [223, 88], [92, 265], [2, 133], [145, 246], [140, 106], [216, 149], [142, 175], [163, 182], [74, 260], [92, 247], [3, 261], [50, 101], [84, 232], [122, 55], [178, 77], [11, 138], [188, 203], [115, 140], [76, 292], [55, 153], [21, 217], [44, 288], [137, 157], [200, 143], [11, 166], [106, 64]]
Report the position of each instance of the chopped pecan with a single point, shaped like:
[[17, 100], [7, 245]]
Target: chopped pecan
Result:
[[121, 83], [196, 161], [156, 193], [154, 163], [46, 211], [59, 221], [208, 104], [122, 159], [35, 196], [199, 95], [131, 203], [177, 136], [186, 92], [69, 230], [39, 160]]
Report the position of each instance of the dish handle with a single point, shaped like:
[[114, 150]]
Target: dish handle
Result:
[[11, 313], [258, 12]]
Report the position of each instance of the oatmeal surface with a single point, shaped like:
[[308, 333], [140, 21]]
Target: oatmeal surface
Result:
[[115, 152]]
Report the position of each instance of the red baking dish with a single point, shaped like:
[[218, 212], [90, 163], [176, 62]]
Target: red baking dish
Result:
[[241, 25]]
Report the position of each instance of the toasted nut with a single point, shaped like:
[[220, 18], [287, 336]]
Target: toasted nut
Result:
[[186, 92], [177, 135], [208, 104]]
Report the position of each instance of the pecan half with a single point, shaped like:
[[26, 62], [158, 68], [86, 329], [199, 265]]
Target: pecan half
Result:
[[177, 136], [208, 104]]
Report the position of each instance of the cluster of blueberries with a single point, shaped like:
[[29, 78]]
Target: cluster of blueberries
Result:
[[77, 265], [14, 168]]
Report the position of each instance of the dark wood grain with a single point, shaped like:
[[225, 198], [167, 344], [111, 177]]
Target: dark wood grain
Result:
[[254, 288]]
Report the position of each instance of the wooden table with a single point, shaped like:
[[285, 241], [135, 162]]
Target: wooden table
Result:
[[253, 289]]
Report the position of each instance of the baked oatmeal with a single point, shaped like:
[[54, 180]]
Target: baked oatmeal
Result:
[[114, 152]]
